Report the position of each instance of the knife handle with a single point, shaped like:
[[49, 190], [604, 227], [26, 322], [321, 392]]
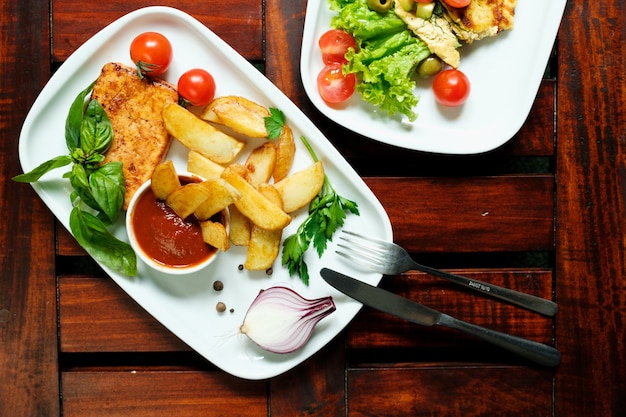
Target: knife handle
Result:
[[534, 351], [528, 301]]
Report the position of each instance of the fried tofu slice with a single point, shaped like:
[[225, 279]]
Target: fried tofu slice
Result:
[[134, 107], [481, 18]]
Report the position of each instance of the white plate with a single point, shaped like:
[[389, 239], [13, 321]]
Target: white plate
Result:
[[186, 304], [504, 71]]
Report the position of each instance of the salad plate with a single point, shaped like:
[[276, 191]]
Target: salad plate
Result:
[[186, 305], [504, 71]]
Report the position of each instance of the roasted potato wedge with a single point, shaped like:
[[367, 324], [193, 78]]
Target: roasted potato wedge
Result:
[[199, 135], [186, 199], [238, 113], [260, 164], [214, 233], [285, 154], [264, 244], [221, 195], [203, 166], [298, 189], [239, 227], [254, 205], [164, 180]]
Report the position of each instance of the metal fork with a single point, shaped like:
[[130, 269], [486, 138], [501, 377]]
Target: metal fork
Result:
[[391, 259]]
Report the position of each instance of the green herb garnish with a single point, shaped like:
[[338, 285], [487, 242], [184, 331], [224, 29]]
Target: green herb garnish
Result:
[[99, 189], [274, 123], [327, 213]]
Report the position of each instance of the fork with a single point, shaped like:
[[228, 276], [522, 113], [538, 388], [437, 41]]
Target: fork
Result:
[[391, 259]]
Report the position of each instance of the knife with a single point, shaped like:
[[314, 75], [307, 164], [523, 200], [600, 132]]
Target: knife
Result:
[[406, 309]]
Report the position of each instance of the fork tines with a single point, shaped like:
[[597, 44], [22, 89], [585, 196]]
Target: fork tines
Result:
[[364, 250]]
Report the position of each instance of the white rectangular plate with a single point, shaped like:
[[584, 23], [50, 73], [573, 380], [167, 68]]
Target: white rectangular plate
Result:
[[504, 72], [186, 304]]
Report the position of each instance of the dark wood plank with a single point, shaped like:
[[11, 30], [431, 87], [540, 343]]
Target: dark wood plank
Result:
[[95, 315], [28, 362], [591, 211], [66, 244], [154, 393], [507, 213], [74, 22], [448, 390], [375, 330], [315, 388]]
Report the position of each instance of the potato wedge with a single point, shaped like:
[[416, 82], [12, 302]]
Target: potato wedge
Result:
[[214, 233], [239, 227], [260, 164], [285, 154], [254, 205], [203, 166], [164, 180], [238, 113], [298, 189], [186, 199], [221, 195], [264, 244], [199, 135]]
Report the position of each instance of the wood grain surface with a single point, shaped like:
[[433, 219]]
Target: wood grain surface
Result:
[[545, 214]]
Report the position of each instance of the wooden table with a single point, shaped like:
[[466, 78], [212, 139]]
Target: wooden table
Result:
[[544, 214]]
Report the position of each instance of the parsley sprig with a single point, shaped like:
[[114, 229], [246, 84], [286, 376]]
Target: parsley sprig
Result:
[[327, 213], [98, 189], [274, 123]]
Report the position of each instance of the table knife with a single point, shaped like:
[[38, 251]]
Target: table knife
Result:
[[413, 312]]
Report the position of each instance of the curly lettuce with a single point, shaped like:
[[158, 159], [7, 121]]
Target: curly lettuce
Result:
[[387, 56]]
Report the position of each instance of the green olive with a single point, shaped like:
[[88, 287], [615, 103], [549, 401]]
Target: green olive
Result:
[[429, 67], [379, 6]]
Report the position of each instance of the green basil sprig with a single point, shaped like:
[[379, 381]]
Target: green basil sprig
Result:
[[98, 189]]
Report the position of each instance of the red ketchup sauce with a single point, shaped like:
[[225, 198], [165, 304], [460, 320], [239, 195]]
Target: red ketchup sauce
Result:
[[167, 238]]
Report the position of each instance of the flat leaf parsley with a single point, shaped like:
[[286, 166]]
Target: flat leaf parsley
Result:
[[327, 213]]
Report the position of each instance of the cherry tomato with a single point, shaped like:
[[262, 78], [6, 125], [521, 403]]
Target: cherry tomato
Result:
[[152, 53], [333, 86], [424, 1], [197, 87], [334, 44], [457, 3], [451, 87]]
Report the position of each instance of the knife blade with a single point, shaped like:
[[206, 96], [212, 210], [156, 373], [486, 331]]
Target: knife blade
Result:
[[413, 312]]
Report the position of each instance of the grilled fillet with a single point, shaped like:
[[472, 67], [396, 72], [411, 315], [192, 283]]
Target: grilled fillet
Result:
[[435, 32], [481, 18], [134, 106]]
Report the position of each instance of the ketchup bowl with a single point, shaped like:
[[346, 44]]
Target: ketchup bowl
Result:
[[163, 240]]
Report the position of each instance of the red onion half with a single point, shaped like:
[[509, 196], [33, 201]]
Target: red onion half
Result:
[[280, 320]]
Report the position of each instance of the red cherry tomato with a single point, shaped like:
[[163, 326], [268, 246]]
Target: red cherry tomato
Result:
[[424, 1], [451, 87], [152, 53], [197, 87], [334, 44], [457, 3], [333, 86]]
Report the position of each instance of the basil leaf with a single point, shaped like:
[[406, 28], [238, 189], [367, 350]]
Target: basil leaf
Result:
[[74, 119], [93, 235], [96, 131], [80, 182], [38, 172], [107, 188]]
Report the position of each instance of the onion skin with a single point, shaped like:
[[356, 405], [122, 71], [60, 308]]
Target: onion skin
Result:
[[280, 320]]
